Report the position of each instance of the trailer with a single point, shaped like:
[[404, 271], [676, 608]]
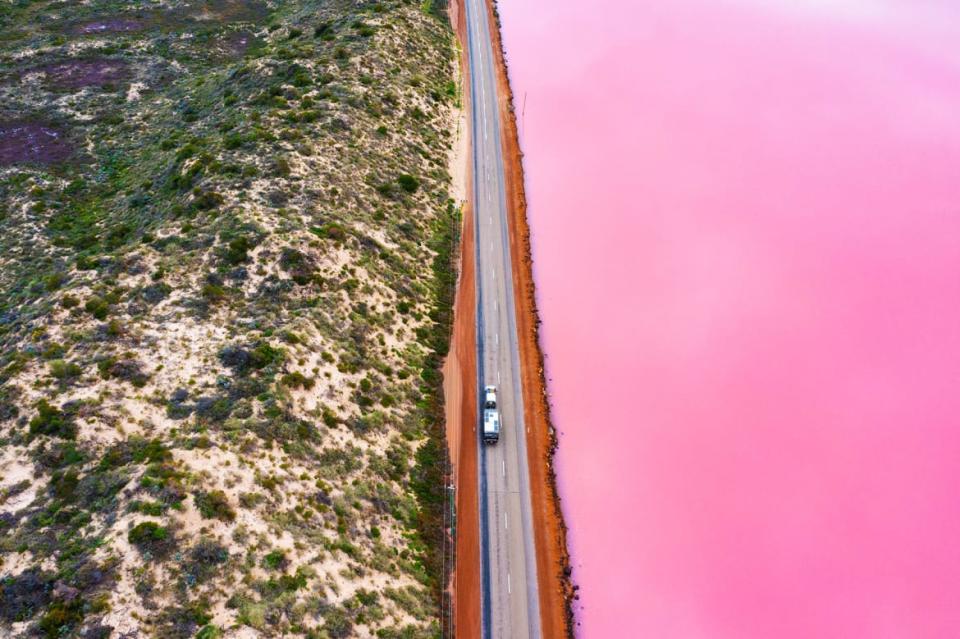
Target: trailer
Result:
[[491, 425]]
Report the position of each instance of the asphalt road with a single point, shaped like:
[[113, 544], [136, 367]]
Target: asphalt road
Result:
[[510, 605]]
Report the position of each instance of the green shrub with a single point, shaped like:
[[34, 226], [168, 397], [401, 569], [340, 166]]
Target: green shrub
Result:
[[63, 370], [53, 350], [152, 508], [281, 167], [275, 560], [213, 292], [330, 231], [97, 307], [60, 618], [63, 485], [150, 536], [408, 183], [291, 338], [214, 505], [52, 421], [235, 141], [54, 281], [337, 623], [237, 249], [206, 200], [115, 328], [297, 380], [125, 369], [330, 418], [264, 355], [205, 558], [208, 632]]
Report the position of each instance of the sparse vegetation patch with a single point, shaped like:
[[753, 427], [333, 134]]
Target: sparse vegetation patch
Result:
[[31, 142], [89, 72], [227, 252]]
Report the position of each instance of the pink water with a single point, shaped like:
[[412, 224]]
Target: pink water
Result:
[[746, 220]]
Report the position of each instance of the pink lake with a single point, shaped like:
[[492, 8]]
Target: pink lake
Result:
[[746, 223]]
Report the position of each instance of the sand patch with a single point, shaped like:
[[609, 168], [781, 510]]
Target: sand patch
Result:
[[18, 487]]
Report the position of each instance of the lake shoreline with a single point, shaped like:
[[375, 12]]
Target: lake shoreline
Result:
[[556, 588]]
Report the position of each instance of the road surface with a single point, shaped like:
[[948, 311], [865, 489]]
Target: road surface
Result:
[[510, 602]]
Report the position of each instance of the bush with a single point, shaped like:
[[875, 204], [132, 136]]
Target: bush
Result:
[[408, 183], [213, 409], [115, 328], [98, 307], [297, 380], [52, 421], [236, 252], [156, 293], [281, 167], [54, 281], [204, 558], [206, 200], [234, 141], [330, 418], [242, 360], [330, 231], [208, 632], [264, 355], [60, 618], [128, 370], [21, 596], [152, 508], [275, 560], [299, 266], [151, 537], [214, 505], [64, 370], [337, 624]]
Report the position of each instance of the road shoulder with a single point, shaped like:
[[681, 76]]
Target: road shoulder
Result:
[[460, 383]]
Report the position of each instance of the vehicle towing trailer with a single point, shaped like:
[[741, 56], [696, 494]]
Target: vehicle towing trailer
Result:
[[491, 416]]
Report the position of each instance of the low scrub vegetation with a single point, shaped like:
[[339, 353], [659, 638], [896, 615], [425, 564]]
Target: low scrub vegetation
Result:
[[227, 260]]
